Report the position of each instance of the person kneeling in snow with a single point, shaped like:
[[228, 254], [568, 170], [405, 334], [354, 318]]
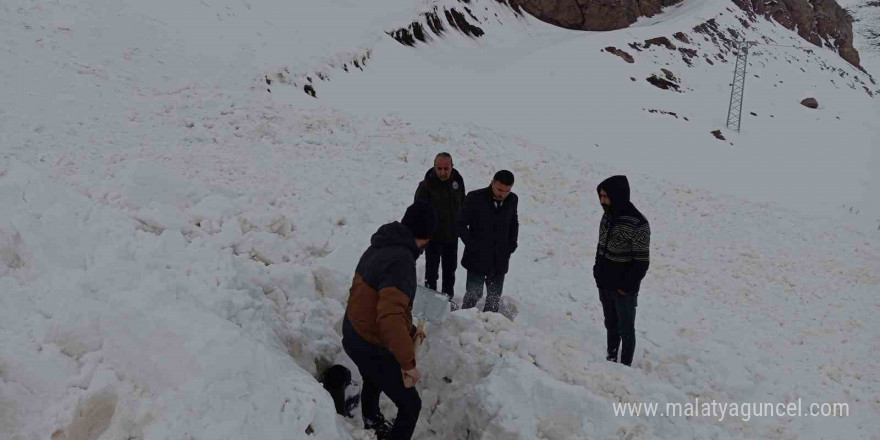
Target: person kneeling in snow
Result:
[[621, 263], [377, 332]]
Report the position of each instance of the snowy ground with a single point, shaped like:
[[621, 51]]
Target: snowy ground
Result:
[[176, 243]]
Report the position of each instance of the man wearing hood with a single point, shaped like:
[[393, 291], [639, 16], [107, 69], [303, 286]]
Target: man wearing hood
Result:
[[443, 188], [377, 331], [622, 257]]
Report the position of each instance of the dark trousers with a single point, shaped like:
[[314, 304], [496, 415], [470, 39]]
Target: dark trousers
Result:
[[381, 374], [620, 320], [474, 291], [447, 253]]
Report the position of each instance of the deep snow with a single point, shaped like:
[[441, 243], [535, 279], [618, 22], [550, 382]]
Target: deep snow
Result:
[[176, 243]]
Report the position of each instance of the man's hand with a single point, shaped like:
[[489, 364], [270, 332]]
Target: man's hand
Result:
[[621, 292], [411, 377]]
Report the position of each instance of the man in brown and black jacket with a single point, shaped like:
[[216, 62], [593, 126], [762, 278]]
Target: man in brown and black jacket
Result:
[[377, 332]]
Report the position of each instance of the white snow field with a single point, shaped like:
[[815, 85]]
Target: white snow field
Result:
[[177, 241]]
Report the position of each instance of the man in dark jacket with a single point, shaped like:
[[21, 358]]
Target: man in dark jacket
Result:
[[489, 227], [443, 188], [377, 332], [622, 257]]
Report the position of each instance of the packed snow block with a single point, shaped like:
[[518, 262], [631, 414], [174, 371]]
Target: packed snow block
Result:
[[45, 223], [210, 213], [280, 283], [265, 220], [293, 281], [334, 272], [263, 247], [245, 390], [170, 245], [331, 283], [519, 401], [310, 333], [144, 183], [75, 334]]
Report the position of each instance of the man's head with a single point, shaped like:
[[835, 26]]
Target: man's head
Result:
[[421, 219], [613, 192], [443, 166], [501, 185]]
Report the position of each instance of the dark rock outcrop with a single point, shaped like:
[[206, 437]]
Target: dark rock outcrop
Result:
[[659, 41], [663, 83], [810, 103], [821, 22], [592, 15], [626, 57]]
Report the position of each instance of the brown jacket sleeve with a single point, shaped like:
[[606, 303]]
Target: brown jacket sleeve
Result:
[[395, 325]]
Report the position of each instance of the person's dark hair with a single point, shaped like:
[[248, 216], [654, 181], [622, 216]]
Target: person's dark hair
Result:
[[444, 155], [504, 177]]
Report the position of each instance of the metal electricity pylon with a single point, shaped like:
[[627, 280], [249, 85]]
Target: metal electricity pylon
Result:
[[738, 88]]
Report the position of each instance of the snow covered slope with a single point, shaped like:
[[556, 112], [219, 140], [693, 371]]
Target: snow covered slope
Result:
[[559, 89], [866, 14], [176, 242]]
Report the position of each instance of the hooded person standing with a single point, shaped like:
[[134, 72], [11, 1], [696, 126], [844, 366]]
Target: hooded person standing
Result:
[[489, 227], [377, 331], [622, 258], [443, 188]]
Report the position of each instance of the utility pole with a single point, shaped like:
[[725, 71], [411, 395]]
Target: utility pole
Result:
[[737, 89]]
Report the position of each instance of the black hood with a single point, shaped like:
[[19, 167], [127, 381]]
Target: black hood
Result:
[[394, 234], [431, 175], [617, 188]]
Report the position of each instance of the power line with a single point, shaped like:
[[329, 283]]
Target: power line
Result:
[[783, 45], [758, 43]]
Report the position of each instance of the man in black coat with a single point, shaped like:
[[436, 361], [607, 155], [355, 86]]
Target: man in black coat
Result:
[[489, 227], [622, 258], [443, 188]]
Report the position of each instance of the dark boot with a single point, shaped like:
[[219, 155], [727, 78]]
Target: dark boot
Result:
[[613, 339], [381, 426]]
